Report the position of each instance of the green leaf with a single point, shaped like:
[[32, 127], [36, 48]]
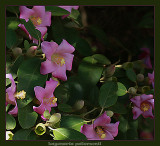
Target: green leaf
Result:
[[28, 77], [22, 134], [13, 9], [65, 107], [68, 134], [131, 74], [26, 117], [121, 89], [57, 11], [89, 71], [101, 59], [46, 114], [107, 96], [11, 38], [72, 122], [10, 122], [26, 45], [32, 29], [12, 23]]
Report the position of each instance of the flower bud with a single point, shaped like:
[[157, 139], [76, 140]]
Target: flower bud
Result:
[[55, 118], [78, 105], [9, 135], [127, 65], [132, 90], [40, 129], [32, 51], [17, 51], [109, 71], [109, 113], [46, 114], [140, 77]]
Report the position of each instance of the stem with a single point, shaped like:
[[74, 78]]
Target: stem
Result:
[[89, 112]]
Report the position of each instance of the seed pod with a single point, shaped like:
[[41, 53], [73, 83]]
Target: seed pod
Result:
[[79, 105], [9, 135], [140, 77], [40, 129], [32, 51], [17, 51], [109, 113], [55, 118], [132, 90]]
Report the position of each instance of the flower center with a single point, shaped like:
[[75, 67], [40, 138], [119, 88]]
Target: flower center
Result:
[[145, 107], [51, 100], [100, 132], [36, 20], [58, 59], [20, 95]]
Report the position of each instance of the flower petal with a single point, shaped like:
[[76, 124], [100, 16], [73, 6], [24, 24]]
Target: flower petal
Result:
[[13, 85], [147, 62], [40, 109], [148, 113], [47, 67], [68, 60], [60, 72], [46, 19], [43, 31], [112, 128], [50, 87], [88, 131], [39, 92], [14, 111], [48, 48], [145, 97], [102, 120], [136, 112], [136, 100], [39, 11], [65, 47], [25, 12], [151, 101]]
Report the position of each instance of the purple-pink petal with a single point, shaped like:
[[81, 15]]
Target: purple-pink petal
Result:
[[65, 47], [25, 12], [46, 19], [49, 48], [39, 11], [102, 120], [145, 97], [13, 85], [14, 111], [68, 60], [39, 93], [151, 101], [60, 72], [147, 62], [136, 100], [40, 109], [112, 128], [136, 112], [148, 113], [48, 67]]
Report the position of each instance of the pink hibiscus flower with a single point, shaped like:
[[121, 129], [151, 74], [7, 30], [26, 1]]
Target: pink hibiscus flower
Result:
[[58, 59], [145, 56], [151, 78], [143, 105], [39, 18], [101, 129], [45, 97]]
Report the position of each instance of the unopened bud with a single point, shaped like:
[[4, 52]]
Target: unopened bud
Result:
[[78, 105], [32, 51], [132, 90], [109, 71], [17, 51], [140, 77], [127, 65], [55, 118], [40, 129], [109, 113], [46, 114]]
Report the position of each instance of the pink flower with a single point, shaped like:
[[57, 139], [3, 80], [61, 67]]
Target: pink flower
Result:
[[45, 97], [10, 96], [58, 59], [145, 56], [143, 105], [69, 9], [101, 129], [151, 78], [146, 135], [38, 16]]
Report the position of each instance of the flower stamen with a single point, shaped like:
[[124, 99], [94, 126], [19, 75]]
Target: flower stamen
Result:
[[36, 20], [58, 59], [100, 132], [20, 95], [145, 107]]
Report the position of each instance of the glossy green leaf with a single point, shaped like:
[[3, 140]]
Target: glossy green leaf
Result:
[[10, 122], [29, 76], [131, 74], [11, 38], [57, 11], [101, 59], [22, 134], [65, 107], [107, 95], [72, 122], [32, 29], [68, 134], [121, 89], [26, 45], [27, 117]]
